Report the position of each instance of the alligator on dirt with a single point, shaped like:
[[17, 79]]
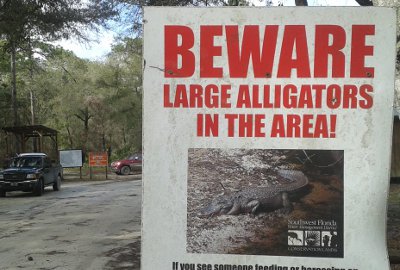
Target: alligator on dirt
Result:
[[255, 199]]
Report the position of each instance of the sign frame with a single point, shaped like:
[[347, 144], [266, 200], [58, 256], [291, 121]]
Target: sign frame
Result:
[[201, 97]]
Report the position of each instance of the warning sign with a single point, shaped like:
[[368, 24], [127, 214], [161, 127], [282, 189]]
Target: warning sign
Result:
[[99, 159], [267, 136]]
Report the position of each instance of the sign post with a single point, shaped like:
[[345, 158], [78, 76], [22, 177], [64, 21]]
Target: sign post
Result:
[[275, 129]]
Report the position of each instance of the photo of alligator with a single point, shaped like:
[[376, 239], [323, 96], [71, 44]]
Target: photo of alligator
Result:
[[250, 201]]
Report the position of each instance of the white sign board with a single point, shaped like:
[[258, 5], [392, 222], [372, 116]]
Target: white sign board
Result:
[[267, 138], [71, 158]]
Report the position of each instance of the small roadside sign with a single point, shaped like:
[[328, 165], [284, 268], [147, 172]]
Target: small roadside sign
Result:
[[98, 159]]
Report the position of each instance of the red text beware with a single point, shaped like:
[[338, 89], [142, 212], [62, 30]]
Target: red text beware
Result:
[[260, 47]]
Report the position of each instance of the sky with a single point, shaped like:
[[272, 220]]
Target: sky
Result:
[[95, 50], [98, 49]]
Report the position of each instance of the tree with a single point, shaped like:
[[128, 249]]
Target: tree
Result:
[[131, 11], [123, 72], [24, 20], [93, 104], [65, 89]]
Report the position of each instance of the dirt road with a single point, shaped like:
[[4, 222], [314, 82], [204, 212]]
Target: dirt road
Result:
[[86, 225]]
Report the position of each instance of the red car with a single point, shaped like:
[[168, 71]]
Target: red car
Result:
[[126, 166]]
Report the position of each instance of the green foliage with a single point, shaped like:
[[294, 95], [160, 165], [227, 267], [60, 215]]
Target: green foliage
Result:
[[93, 105], [25, 22], [131, 11], [51, 19]]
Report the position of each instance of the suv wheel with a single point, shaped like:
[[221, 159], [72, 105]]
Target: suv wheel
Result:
[[2, 193], [38, 191], [125, 170], [57, 184]]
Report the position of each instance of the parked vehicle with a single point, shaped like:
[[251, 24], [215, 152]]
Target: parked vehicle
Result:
[[126, 166], [30, 172]]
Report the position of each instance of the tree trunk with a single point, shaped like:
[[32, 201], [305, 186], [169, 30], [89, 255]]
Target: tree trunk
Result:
[[85, 117], [32, 98], [301, 3], [31, 94], [86, 127], [123, 136], [14, 85], [34, 140], [71, 143], [103, 141], [17, 148]]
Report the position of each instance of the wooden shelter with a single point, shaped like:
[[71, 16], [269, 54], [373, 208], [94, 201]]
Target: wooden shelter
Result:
[[18, 140]]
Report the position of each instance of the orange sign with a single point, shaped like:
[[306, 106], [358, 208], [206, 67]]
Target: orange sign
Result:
[[98, 159]]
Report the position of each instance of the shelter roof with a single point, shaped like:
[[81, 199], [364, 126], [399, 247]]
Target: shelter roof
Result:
[[31, 131]]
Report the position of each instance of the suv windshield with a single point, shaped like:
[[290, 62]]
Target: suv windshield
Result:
[[31, 162]]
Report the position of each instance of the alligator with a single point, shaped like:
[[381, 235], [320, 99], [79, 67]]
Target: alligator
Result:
[[254, 199], [293, 237]]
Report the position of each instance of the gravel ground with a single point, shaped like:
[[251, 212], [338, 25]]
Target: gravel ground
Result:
[[87, 225]]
